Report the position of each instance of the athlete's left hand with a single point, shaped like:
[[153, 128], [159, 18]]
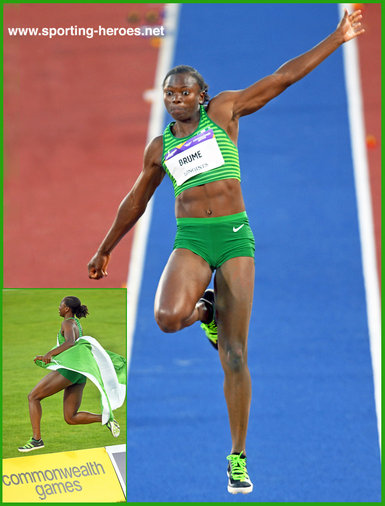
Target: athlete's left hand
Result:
[[44, 358], [350, 25]]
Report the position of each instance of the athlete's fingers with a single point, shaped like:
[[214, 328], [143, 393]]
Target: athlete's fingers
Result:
[[92, 272], [97, 267], [105, 264], [356, 13], [95, 274]]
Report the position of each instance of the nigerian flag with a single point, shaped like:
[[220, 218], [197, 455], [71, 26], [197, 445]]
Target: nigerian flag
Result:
[[107, 370]]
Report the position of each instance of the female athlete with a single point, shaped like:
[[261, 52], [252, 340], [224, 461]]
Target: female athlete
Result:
[[198, 151], [70, 381]]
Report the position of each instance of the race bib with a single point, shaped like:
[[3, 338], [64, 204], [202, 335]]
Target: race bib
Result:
[[194, 156]]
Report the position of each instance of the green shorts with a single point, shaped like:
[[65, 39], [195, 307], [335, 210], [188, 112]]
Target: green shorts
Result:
[[75, 377], [216, 239]]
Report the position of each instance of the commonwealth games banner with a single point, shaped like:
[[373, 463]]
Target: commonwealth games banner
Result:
[[78, 476]]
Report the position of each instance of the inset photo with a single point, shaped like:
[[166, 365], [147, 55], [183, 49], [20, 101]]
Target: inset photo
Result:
[[64, 370]]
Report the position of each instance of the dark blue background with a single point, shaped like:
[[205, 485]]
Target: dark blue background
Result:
[[312, 432]]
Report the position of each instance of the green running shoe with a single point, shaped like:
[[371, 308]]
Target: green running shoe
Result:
[[114, 427], [239, 481], [211, 329], [32, 444]]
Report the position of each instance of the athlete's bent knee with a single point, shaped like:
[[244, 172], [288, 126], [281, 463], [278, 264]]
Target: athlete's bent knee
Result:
[[33, 396], [69, 419], [168, 320]]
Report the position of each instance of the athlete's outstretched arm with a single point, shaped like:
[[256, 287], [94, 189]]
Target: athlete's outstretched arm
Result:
[[131, 208], [257, 95]]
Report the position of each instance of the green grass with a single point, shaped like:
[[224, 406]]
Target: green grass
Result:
[[30, 325]]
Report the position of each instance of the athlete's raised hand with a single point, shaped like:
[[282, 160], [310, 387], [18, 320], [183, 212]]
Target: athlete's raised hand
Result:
[[350, 25]]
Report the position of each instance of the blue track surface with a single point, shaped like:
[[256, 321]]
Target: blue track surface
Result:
[[312, 432]]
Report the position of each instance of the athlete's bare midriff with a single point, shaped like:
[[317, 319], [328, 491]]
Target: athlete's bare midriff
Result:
[[219, 198]]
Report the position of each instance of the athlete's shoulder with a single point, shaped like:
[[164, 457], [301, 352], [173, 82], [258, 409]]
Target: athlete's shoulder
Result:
[[155, 141], [223, 100], [155, 145], [221, 110], [66, 326], [154, 150], [67, 323]]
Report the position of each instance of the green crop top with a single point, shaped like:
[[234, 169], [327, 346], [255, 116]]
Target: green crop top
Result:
[[207, 155]]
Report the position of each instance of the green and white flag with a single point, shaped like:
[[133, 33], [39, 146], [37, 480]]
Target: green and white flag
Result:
[[107, 370]]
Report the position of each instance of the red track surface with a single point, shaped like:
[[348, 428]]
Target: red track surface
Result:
[[370, 64], [76, 126]]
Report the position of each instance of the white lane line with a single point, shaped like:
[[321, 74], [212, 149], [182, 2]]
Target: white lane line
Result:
[[365, 217], [138, 252]]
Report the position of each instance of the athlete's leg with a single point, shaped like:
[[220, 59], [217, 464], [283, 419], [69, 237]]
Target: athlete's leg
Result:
[[49, 385], [234, 285], [182, 283], [71, 403]]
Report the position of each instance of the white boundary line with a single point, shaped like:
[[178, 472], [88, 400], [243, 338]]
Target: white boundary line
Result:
[[138, 253], [365, 217]]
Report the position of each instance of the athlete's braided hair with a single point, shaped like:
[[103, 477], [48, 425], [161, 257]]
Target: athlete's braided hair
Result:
[[186, 69], [77, 308]]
